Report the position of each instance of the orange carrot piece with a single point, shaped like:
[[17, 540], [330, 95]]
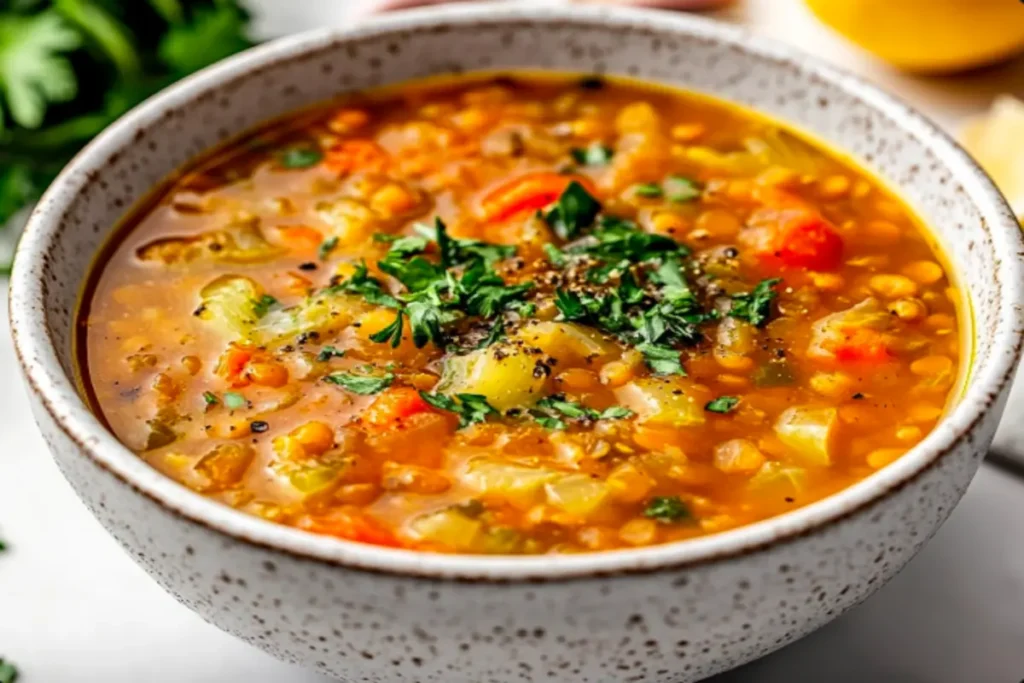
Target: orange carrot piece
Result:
[[232, 365], [300, 237], [348, 524], [530, 192], [393, 407], [351, 156]]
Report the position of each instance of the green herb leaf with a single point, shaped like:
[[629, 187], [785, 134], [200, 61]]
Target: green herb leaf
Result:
[[667, 509], [722, 404], [663, 360], [392, 333], [577, 411], [364, 385], [555, 255], [470, 408], [210, 398], [616, 413], [8, 672], [547, 421], [329, 352], [755, 307], [33, 72], [681, 190], [234, 400], [594, 155], [263, 305], [370, 288], [326, 247], [570, 305], [213, 34], [648, 190], [300, 156], [575, 211]]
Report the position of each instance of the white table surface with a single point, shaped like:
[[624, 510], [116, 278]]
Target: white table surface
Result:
[[73, 607]]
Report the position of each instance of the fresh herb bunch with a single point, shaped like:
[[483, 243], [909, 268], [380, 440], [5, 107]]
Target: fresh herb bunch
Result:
[[68, 68]]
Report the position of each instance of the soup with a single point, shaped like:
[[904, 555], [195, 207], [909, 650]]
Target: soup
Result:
[[521, 314]]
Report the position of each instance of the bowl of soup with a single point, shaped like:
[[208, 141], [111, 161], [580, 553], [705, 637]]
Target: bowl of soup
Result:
[[520, 344]]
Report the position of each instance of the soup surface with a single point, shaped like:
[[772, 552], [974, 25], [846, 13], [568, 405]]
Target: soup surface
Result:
[[521, 314]]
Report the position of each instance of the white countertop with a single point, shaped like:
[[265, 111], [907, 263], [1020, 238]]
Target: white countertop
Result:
[[73, 607]]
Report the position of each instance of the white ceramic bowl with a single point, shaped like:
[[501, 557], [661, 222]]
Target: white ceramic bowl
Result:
[[671, 613]]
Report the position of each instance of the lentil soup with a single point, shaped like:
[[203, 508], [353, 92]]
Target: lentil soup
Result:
[[521, 314]]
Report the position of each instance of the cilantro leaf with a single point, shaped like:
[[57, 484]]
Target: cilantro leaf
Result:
[[722, 404], [681, 190], [663, 360], [666, 509], [755, 307], [364, 385], [594, 155], [574, 212], [329, 352], [33, 71], [392, 333], [470, 408], [300, 156]]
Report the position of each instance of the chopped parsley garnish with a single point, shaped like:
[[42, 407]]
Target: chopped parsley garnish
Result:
[[648, 190], [326, 247], [234, 400], [392, 334], [364, 385], [755, 307], [666, 509], [329, 352], [368, 287], [210, 398], [680, 190], [550, 410], [470, 408], [3, 546], [574, 212], [594, 155], [663, 360], [300, 156], [263, 305], [258, 426], [555, 255], [722, 404], [8, 672]]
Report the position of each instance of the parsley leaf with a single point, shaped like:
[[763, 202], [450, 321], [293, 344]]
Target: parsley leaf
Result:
[[555, 255], [594, 155], [574, 212], [470, 408], [547, 421], [33, 72], [210, 398], [370, 288], [491, 299], [570, 305], [392, 333], [213, 34], [364, 385], [263, 305], [300, 156], [8, 672], [755, 307], [326, 247], [681, 190], [575, 411], [666, 509], [329, 352], [648, 190], [722, 404], [234, 400], [663, 360]]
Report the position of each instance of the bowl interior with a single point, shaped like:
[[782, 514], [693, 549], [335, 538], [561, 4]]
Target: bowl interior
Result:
[[967, 216]]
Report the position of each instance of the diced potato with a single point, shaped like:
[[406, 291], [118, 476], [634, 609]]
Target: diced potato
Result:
[[670, 401], [349, 220], [229, 304], [508, 376], [738, 456], [308, 480], [577, 494], [775, 475], [808, 431], [516, 483], [450, 528], [568, 342], [224, 466]]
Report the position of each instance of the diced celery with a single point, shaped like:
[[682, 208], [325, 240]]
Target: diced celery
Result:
[[667, 401], [515, 483], [808, 432], [229, 304], [508, 376], [578, 494], [450, 528]]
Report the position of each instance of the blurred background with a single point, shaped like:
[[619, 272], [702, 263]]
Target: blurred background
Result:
[[70, 67]]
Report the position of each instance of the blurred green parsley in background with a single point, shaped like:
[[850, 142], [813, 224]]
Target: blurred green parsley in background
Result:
[[68, 68]]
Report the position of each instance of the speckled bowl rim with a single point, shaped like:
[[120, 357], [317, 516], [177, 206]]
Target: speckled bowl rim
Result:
[[60, 398]]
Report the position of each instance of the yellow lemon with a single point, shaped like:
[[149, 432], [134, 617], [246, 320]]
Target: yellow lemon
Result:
[[929, 35], [996, 139]]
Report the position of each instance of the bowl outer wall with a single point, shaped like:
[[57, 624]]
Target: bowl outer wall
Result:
[[833, 552]]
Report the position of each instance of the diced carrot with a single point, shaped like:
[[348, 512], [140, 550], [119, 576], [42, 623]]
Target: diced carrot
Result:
[[348, 524], [528, 193], [808, 241], [862, 345], [393, 407], [300, 237], [232, 365], [356, 155]]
